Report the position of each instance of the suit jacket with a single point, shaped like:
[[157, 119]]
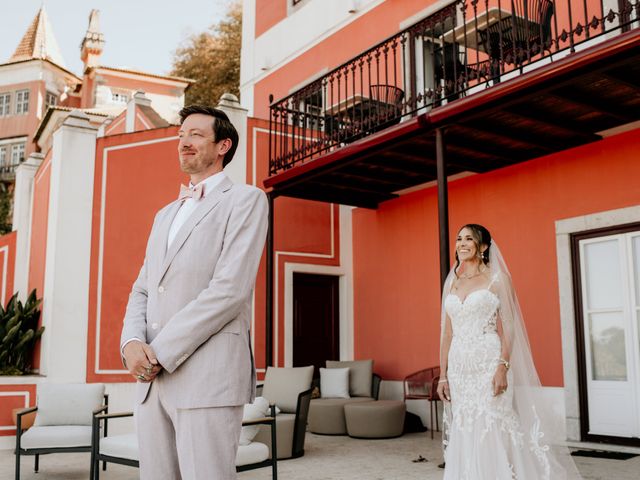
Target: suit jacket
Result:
[[192, 301]]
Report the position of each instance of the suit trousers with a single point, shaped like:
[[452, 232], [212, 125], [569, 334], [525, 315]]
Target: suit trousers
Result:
[[186, 444]]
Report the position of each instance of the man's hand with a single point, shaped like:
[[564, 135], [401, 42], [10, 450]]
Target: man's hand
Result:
[[141, 361]]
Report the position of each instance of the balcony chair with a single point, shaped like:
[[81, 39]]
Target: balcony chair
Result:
[[423, 385], [123, 449], [289, 389], [326, 415], [522, 36], [386, 106], [63, 421]]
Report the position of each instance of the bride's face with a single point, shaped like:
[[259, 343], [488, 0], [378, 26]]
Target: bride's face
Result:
[[466, 246]]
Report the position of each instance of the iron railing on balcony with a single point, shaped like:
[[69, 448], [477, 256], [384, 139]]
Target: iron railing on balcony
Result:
[[465, 47]]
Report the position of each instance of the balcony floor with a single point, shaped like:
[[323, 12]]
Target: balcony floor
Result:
[[326, 458]]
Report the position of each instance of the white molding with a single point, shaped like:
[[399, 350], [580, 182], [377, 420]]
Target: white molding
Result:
[[12, 140], [68, 250], [5, 264], [564, 229], [289, 270], [105, 157]]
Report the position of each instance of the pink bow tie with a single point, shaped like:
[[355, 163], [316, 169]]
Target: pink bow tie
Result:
[[191, 192]]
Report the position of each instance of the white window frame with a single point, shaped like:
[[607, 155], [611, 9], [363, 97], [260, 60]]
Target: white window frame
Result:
[[119, 97], [22, 102], [3, 156], [17, 153], [5, 104], [51, 99]]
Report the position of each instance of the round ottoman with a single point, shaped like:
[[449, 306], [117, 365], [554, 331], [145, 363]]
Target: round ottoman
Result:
[[380, 419], [326, 415]]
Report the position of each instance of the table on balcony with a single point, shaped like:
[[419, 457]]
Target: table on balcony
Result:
[[358, 115]]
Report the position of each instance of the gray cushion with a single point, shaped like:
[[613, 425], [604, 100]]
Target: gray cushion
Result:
[[283, 385], [68, 404], [360, 372], [56, 437], [120, 446]]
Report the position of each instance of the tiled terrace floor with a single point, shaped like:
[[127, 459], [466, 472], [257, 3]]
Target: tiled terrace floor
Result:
[[326, 458]]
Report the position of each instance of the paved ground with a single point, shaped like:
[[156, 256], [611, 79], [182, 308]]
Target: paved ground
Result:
[[326, 458]]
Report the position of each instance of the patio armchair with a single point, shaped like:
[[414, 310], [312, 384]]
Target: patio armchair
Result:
[[63, 421], [289, 389], [326, 415], [423, 385], [123, 449], [386, 106]]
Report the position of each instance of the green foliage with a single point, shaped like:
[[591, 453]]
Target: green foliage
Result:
[[212, 59], [19, 333], [5, 209]]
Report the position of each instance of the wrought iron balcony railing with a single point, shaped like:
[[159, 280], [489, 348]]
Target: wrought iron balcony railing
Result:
[[465, 47]]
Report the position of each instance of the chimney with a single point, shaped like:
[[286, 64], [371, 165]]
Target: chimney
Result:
[[91, 46]]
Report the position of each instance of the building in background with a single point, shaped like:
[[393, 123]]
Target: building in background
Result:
[[35, 79]]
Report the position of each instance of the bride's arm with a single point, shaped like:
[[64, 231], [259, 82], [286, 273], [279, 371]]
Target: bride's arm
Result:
[[445, 344]]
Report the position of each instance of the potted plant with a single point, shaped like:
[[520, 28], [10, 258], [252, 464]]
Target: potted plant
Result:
[[19, 333]]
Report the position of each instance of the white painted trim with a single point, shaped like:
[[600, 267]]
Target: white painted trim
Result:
[[564, 229], [113, 125], [5, 263], [146, 125], [42, 170], [289, 270], [105, 153], [12, 140], [24, 394]]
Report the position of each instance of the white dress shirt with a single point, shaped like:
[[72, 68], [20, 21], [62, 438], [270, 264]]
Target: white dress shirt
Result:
[[189, 204], [185, 211]]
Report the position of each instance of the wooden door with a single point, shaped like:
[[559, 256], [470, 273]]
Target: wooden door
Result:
[[316, 319]]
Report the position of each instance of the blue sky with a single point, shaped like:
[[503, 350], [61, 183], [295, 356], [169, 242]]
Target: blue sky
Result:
[[139, 34]]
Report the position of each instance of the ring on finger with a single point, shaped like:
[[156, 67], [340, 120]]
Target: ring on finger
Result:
[[141, 377], [148, 368]]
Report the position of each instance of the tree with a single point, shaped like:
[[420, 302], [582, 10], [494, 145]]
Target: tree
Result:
[[212, 59]]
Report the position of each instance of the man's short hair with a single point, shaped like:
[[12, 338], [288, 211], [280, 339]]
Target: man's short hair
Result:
[[222, 127]]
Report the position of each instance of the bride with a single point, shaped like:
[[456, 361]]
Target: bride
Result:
[[498, 423]]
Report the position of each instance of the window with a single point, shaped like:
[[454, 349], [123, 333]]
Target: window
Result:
[[3, 157], [5, 104], [22, 102], [51, 99], [17, 153], [119, 97]]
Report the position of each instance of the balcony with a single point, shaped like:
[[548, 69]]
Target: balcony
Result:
[[8, 173], [480, 85]]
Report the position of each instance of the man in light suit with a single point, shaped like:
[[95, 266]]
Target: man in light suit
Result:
[[186, 329]]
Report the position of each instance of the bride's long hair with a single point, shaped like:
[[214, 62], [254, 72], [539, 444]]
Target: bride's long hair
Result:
[[540, 420]]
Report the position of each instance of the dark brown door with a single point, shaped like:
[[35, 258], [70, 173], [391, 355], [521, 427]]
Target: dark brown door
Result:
[[316, 322]]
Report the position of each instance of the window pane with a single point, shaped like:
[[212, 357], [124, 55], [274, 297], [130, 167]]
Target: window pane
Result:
[[635, 242], [608, 352], [602, 274]]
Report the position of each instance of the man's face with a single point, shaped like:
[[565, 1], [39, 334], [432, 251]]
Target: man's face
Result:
[[198, 150]]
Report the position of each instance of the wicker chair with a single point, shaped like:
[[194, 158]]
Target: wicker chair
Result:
[[423, 385]]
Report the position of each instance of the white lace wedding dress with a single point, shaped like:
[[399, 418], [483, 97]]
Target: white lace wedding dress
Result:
[[486, 441]]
